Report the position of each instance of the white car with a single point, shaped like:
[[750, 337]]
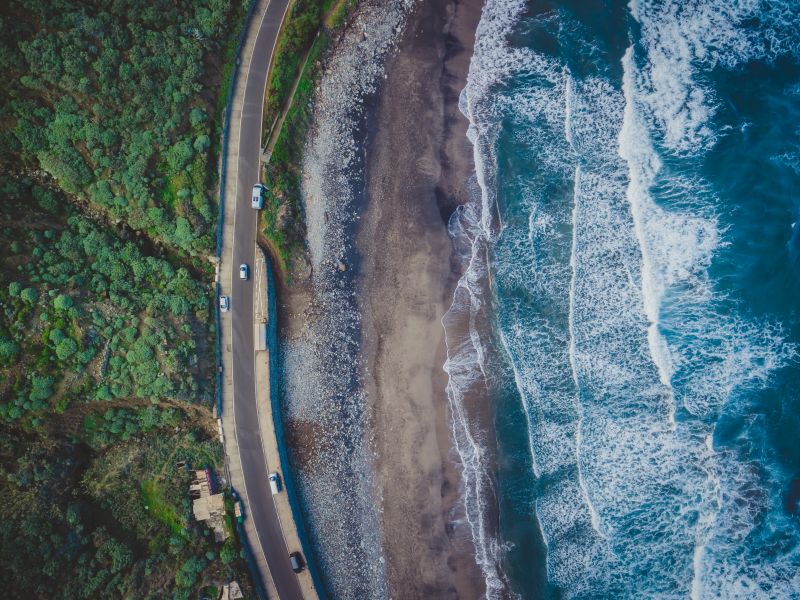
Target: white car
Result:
[[258, 198], [244, 272], [274, 483], [224, 303], [296, 560]]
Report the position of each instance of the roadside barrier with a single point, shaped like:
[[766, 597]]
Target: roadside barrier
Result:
[[218, 347], [277, 421], [251, 563]]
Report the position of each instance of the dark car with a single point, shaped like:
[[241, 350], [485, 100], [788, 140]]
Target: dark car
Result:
[[297, 562]]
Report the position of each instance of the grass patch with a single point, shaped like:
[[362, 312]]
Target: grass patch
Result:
[[283, 224], [337, 16], [299, 31], [153, 499], [228, 68]]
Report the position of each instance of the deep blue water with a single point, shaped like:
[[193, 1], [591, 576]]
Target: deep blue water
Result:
[[640, 174]]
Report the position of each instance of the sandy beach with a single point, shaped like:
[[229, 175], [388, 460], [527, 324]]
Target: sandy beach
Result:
[[364, 390], [418, 163]]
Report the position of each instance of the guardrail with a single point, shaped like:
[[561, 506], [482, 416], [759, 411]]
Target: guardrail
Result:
[[248, 556], [218, 347], [277, 421]]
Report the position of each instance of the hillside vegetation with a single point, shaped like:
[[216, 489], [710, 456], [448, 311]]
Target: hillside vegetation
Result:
[[109, 129], [111, 99]]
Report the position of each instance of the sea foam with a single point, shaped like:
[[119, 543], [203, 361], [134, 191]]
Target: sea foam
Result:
[[623, 351]]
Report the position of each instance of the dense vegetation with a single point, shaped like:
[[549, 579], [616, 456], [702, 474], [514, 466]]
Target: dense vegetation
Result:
[[307, 33], [109, 128], [104, 372], [109, 98]]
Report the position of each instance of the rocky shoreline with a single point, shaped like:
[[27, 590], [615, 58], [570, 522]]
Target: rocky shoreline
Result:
[[323, 401], [386, 162]]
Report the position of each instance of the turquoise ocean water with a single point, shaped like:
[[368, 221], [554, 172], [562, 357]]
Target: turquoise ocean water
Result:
[[635, 246]]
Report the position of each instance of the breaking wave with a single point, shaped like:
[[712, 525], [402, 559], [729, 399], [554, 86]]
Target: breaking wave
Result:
[[599, 232]]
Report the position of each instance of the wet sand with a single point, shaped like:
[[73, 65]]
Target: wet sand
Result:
[[418, 163]]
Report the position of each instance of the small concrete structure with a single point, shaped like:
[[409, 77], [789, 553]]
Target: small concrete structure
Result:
[[260, 302], [208, 507], [231, 591]]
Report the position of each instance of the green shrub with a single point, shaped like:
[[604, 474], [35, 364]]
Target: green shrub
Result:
[[66, 348], [9, 350], [29, 295], [62, 302]]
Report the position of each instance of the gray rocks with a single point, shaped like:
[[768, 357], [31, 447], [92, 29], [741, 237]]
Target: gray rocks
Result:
[[322, 369]]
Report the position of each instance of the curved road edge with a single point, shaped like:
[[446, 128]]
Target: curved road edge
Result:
[[267, 369], [247, 443]]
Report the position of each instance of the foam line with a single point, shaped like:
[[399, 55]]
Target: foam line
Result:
[[595, 517], [644, 164]]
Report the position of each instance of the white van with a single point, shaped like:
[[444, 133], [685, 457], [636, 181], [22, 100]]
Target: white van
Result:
[[274, 483], [258, 198]]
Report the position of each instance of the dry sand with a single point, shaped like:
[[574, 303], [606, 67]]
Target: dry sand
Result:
[[418, 164]]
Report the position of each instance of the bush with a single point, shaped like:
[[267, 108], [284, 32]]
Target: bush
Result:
[[9, 350], [29, 295], [62, 302], [66, 348], [202, 143]]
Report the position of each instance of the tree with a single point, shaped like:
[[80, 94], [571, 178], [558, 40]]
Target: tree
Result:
[[46, 199], [41, 387], [197, 116], [202, 143], [67, 165], [189, 571], [62, 302], [14, 288], [228, 554], [183, 233], [179, 155], [120, 555], [29, 295], [66, 348], [9, 350]]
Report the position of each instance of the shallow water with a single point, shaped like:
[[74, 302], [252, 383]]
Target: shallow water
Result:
[[639, 168]]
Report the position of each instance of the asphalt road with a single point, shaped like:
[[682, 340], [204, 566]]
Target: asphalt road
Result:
[[254, 466]]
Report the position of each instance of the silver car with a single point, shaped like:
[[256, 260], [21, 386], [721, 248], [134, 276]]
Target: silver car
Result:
[[224, 303], [257, 198], [274, 483], [244, 272]]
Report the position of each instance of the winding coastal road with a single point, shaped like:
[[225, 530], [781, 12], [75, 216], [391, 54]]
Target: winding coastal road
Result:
[[241, 316]]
